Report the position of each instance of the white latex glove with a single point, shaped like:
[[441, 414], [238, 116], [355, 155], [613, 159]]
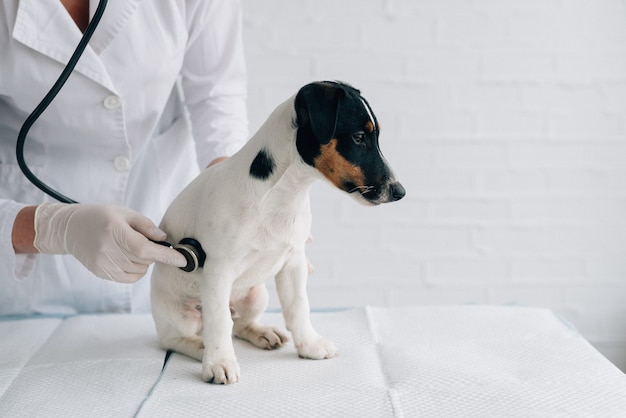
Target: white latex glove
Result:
[[111, 241]]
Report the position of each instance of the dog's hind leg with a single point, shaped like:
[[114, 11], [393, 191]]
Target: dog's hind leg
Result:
[[180, 331], [246, 312], [190, 346]]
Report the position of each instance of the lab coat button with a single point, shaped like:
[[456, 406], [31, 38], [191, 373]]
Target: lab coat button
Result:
[[121, 163], [112, 102]]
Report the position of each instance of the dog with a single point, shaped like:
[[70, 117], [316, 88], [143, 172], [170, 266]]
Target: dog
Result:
[[252, 215]]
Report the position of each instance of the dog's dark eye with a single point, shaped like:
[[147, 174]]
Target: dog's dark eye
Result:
[[359, 138]]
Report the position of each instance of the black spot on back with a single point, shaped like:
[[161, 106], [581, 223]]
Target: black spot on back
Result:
[[262, 166]]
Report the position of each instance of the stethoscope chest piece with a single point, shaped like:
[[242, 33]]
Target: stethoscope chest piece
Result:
[[193, 252]]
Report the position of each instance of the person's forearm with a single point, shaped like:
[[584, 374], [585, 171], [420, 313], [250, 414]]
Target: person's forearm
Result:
[[23, 234]]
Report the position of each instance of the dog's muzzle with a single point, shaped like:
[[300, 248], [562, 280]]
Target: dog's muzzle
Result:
[[387, 193]]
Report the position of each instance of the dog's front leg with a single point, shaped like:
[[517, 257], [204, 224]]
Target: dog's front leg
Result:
[[219, 363], [291, 287]]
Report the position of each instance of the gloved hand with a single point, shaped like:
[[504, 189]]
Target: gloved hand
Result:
[[111, 241]]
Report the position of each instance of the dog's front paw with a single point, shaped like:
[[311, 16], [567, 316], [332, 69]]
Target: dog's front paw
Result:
[[317, 349], [225, 371]]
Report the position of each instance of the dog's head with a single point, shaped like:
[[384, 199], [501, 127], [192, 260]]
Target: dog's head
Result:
[[338, 135]]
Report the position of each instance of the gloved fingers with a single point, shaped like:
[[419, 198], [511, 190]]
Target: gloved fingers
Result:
[[133, 268], [133, 272], [142, 250], [129, 278], [151, 251], [118, 268], [122, 276], [166, 255], [145, 226]]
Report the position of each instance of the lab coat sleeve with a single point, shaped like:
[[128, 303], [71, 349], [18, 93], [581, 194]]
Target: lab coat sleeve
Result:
[[214, 78], [17, 265]]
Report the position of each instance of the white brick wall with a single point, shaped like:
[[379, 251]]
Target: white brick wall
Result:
[[506, 122]]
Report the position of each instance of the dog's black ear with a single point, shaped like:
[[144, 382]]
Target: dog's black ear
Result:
[[317, 106]]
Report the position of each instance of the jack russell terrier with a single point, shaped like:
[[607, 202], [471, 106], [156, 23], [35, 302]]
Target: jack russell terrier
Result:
[[252, 214]]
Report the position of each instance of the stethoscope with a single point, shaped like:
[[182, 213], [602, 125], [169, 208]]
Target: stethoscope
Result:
[[188, 247]]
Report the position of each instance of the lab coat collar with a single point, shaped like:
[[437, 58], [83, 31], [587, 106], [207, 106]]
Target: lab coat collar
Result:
[[46, 27], [115, 16]]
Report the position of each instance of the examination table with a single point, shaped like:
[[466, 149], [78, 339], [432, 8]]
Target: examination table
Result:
[[462, 361]]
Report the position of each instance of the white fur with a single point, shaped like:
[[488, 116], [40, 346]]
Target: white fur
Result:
[[251, 230]]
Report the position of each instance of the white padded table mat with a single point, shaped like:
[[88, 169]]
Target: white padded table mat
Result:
[[472, 361]]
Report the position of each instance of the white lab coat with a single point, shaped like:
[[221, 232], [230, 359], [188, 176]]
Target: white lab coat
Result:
[[158, 93]]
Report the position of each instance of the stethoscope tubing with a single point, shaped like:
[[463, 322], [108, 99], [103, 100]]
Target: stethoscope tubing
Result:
[[45, 102]]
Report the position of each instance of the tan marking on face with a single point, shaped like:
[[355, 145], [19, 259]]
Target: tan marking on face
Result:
[[369, 126], [336, 168]]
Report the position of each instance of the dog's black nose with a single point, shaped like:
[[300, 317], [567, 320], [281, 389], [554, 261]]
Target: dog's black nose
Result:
[[396, 191]]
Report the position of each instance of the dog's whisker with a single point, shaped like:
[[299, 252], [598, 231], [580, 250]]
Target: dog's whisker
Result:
[[362, 189]]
